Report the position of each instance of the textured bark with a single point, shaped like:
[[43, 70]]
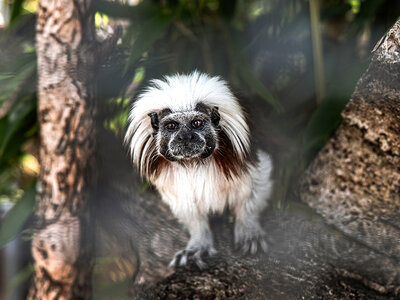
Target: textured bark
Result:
[[61, 243], [353, 184]]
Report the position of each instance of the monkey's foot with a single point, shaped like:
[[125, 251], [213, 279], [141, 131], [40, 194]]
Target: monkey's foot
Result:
[[250, 237], [193, 253]]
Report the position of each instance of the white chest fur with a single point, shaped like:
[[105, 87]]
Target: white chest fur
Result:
[[200, 189]]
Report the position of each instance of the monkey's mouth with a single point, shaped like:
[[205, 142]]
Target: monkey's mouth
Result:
[[188, 151]]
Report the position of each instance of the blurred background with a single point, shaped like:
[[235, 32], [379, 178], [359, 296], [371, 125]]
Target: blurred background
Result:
[[298, 60]]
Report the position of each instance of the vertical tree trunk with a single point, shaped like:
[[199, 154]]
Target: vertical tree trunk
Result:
[[61, 246]]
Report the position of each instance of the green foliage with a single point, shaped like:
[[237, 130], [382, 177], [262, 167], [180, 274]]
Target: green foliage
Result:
[[326, 117], [16, 9], [22, 277], [118, 10], [118, 288], [151, 31], [18, 121], [15, 129], [257, 86], [17, 77], [120, 118], [18, 124], [323, 121], [114, 290], [15, 218]]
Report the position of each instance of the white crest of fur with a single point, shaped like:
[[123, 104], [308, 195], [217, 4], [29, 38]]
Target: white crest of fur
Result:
[[182, 93]]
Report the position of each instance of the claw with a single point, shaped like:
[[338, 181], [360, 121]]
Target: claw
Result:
[[212, 251], [245, 247], [250, 238], [182, 257], [253, 247], [199, 262], [183, 260], [176, 260], [264, 245], [172, 263]]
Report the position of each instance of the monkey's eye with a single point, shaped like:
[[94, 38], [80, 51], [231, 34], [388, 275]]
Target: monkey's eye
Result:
[[171, 126], [197, 123]]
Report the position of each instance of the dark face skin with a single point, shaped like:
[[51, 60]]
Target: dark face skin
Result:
[[186, 135]]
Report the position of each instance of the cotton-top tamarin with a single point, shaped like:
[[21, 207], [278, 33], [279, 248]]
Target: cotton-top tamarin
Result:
[[189, 137]]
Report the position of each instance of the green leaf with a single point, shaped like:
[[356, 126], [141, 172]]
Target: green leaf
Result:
[[227, 8], [117, 9], [19, 63], [19, 125], [17, 75], [5, 76], [14, 82], [323, 122], [16, 216], [16, 120], [16, 10], [255, 84], [151, 31], [113, 290], [20, 278]]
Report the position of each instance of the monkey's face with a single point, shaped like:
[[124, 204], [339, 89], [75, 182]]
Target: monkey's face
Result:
[[186, 135]]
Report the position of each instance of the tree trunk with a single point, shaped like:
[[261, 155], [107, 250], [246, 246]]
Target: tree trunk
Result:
[[61, 244], [353, 183]]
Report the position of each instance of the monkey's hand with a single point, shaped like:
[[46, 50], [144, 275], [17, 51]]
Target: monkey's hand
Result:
[[249, 236], [197, 247]]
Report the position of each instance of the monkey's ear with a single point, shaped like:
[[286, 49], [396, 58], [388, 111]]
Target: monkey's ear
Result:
[[215, 117], [154, 120]]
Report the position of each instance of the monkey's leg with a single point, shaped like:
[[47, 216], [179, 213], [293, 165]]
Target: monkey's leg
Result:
[[249, 236], [200, 243]]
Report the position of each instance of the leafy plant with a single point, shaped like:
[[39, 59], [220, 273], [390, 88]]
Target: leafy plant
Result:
[[18, 122], [16, 217]]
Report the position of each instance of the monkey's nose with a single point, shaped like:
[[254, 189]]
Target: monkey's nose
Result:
[[185, 136]]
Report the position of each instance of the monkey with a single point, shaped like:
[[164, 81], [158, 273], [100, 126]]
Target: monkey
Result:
[[189, 136]]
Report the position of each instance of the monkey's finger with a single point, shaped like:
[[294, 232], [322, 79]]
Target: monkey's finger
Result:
[[253, 247], [199, 262], [177, 257], [183, 260], [172, 263], [246, 247], [264, 245], [212, 251]]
